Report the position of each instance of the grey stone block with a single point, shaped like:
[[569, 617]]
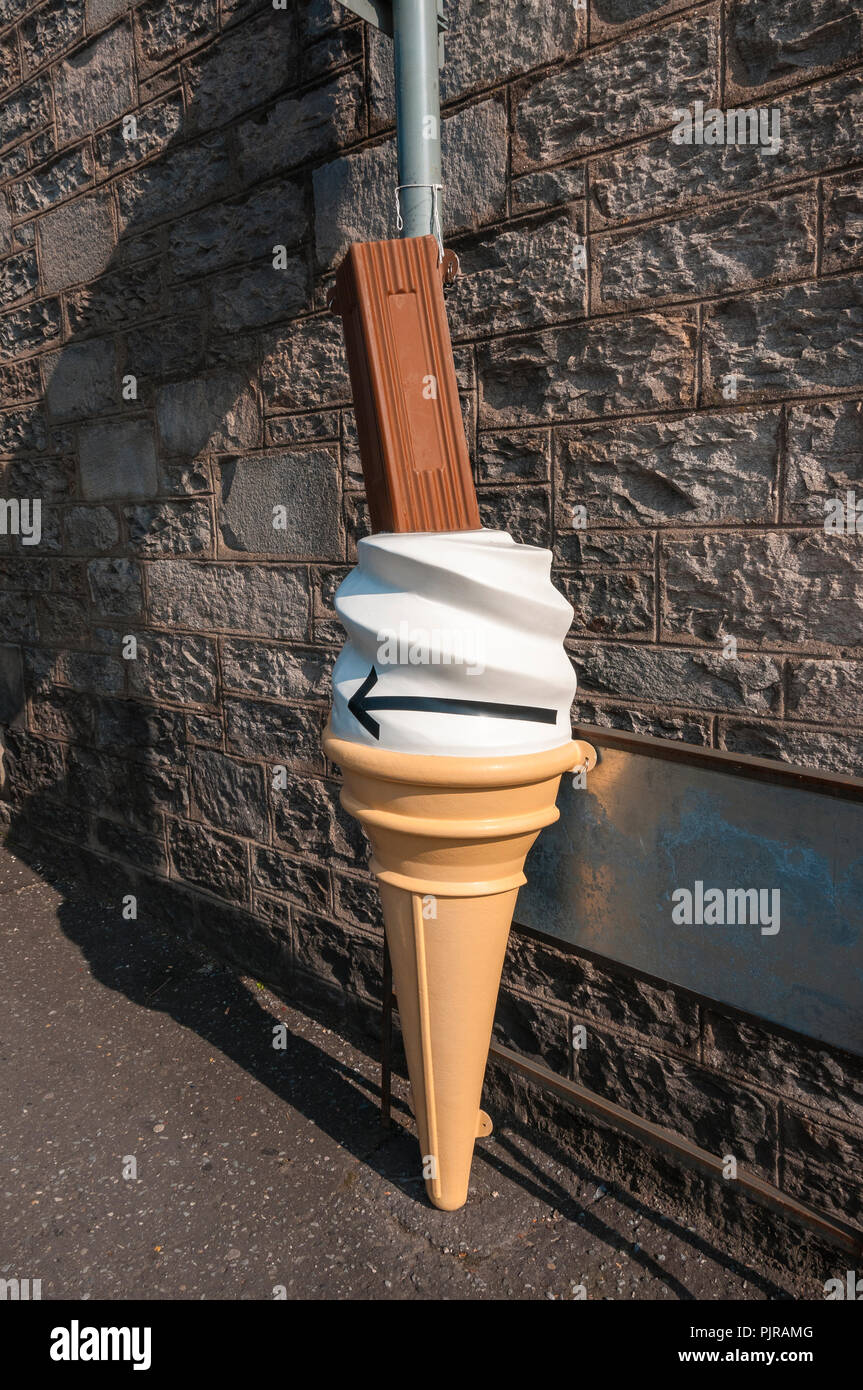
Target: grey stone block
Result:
[[276, 672], [669, 676], [588, 370], [517, 457], [820, 129], [30, 328], [300, 490], [348, 961], [702, 468], [229, 795], [285, 736], [820, 1163], [708, 253], [16, 618], [825, 750], [523, 512], [308, 884], [25, 111], [825, 457], [216, 413], [166, 29], [99, 12], [75, 241], [6, 240], [717, 1114], [180, 669], [129, 728], [262, 294], [813, 1075], [182, 177], [309, 818], [63, 714], [770, 40], [49, 31], [117, 299], [91, 671], [825, 692], [843, 221], [18, 277], [757, 340], [115, 587], [547, 188], [685, 727], [248, 66], [90, 528], [620, 604], [23, 430], [766, 588], [80, 379], [263, 600], [244, 230], [300, 128], [217, 863], [520, 277], [616, 93], [62, 177], [156, 125], [118, 459], [307, 369], [95, 85], [171, 528]]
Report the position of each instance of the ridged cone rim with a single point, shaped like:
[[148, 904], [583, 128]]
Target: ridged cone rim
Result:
[[492, 770]]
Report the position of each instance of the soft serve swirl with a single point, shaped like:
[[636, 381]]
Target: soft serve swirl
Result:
[[460, 615]]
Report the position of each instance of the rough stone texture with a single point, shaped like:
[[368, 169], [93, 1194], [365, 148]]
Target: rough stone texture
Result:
[[533, 274], [75, 242], [765, 588], [820, 131], [212, 413], [825, 457], [80, 381], [760, 341], [266, 600], [708, 253], [712, 468], [95, 85], [588, 370], [616, 93], [60, 177], [770, 40], [667, 336]]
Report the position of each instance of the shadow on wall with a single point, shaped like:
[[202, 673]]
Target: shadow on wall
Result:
[[165, 646]]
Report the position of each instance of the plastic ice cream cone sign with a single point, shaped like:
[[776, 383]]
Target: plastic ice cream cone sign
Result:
[[451, 697]]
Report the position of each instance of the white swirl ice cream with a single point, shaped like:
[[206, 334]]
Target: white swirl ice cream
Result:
[[455, 647]]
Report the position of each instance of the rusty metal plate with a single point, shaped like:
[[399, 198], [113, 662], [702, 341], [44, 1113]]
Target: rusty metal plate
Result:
[[412, 441], [608, 878]]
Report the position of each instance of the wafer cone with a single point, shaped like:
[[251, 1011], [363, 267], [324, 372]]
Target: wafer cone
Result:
[[449, 837]]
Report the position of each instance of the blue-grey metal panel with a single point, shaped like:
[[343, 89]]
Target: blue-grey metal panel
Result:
[[645, 826]]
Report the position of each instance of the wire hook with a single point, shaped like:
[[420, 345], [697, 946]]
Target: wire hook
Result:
[[436, 189]]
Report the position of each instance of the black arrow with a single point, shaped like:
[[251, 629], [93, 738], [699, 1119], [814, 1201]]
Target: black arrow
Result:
[[359, 706]]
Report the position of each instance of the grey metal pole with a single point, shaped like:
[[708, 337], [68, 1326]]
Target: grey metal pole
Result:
[[418, 115]]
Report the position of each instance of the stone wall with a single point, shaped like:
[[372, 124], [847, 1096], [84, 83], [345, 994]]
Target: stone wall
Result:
[[665, 335]]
